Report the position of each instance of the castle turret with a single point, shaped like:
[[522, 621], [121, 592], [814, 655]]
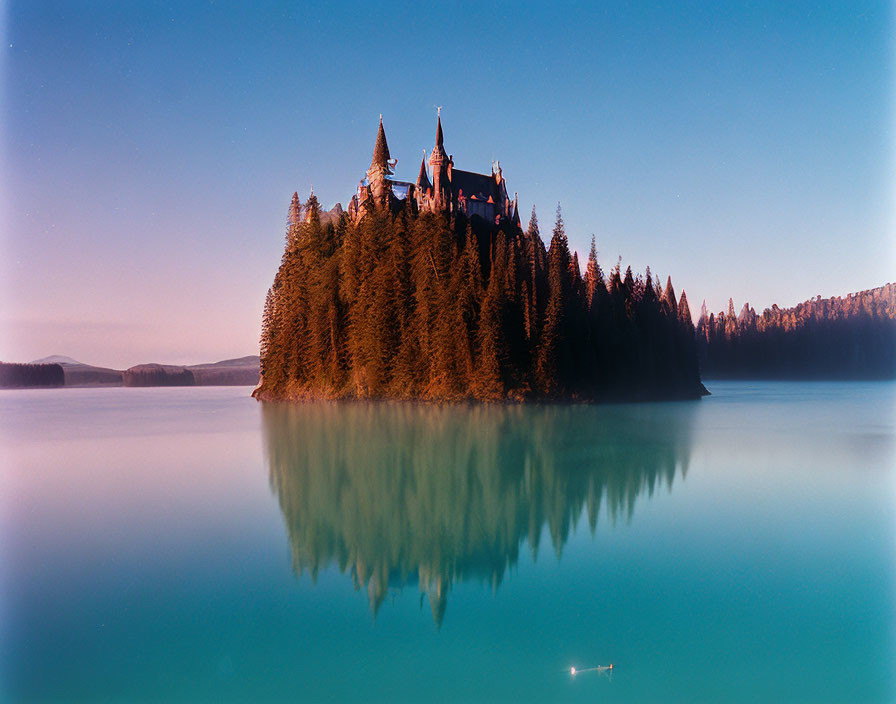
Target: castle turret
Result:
[[380, 167], [423, 183], [439, 163]]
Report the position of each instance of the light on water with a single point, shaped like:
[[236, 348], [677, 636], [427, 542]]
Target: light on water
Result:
[[600, 668], [193, 544]]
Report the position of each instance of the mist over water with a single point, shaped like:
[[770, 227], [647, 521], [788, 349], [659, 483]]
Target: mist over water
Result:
[[193, 544]]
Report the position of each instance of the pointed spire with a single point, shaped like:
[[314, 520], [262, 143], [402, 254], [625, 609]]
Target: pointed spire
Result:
[[423, 179], [381, 156], [438, 156]]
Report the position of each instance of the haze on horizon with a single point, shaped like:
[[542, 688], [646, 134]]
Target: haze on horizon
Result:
[[149, 152]]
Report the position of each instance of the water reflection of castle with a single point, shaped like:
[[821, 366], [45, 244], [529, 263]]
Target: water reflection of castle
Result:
[[398, 494]]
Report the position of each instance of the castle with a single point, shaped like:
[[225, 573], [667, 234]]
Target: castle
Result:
[[446, 190]]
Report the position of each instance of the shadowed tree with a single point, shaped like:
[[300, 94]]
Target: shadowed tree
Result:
[[553, 359], [488, 382], [294, 215], [267, 332]]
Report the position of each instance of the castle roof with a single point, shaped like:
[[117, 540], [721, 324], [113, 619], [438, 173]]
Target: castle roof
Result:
[[438, 151], [381, 156], [423, 179], [480, 186], [487, 191]]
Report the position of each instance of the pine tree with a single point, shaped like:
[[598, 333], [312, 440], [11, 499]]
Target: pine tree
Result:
[[267, 332], [536, 259], [446, 368], [294, 215], [402, 301], [592, 274], [467, 292], [684, 312], [373, 324], [488, 382], [318, 257], [669, 297], [730, 320], [552, 361]]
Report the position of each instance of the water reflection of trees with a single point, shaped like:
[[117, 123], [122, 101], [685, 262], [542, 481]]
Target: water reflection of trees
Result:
[[397, 494]]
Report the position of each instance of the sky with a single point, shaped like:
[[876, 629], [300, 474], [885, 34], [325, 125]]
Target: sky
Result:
[[150, 149]]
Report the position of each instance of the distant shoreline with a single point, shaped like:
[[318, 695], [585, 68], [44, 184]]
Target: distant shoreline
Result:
[[64, 372]]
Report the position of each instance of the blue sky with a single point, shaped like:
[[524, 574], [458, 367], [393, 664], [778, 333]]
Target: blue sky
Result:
[[150, 149]]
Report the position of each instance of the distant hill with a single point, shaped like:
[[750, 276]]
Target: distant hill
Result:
[[243, 371], [80, 374], [251, 361], [56, 359], [240, 371]]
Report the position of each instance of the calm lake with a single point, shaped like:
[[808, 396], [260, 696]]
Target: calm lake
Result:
[[195, 545]]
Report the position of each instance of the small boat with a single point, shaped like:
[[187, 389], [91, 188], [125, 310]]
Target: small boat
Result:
[[600, 668]]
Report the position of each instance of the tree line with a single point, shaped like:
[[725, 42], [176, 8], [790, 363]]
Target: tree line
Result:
[[16, 376], [851, 337], [158, 375], [438, 307]]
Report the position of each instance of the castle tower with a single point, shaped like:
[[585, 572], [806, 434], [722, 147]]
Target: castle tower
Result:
[[423, 184], [439, 163], [380, 167]]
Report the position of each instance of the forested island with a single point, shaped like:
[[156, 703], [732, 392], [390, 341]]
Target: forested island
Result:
[[423, 306], [432, 290], [851, 337]]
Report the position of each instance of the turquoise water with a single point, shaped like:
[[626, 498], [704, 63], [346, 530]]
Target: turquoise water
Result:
[[194, 545]]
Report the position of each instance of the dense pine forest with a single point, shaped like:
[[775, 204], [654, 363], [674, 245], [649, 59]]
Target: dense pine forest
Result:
[[832, 338], [401, 304]]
